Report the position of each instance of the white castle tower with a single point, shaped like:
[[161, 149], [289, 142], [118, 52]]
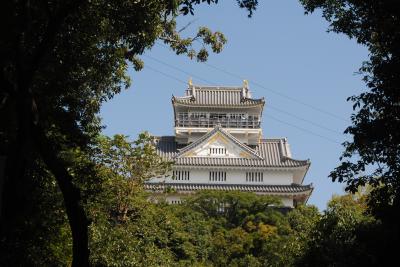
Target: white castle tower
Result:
[[218, 145]]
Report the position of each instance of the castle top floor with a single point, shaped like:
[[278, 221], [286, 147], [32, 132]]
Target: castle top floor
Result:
[[218, 97], [204, 107]]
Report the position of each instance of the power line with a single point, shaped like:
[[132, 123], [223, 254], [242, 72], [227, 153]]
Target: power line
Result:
[[270, 106], [305, 120], [178, 69], [292, 125], [165, 74], [303, 129], [279, 93], [271, 90]]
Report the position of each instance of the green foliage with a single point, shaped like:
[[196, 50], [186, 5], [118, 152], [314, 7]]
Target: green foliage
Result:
[[127, 230], [195, 234], [124, 167], [40, 234], [247, 230], [339, 237], [232, 208], [200, 232], [141, 240], [133, 161], [372, 157], [60, 61], [211, 228]]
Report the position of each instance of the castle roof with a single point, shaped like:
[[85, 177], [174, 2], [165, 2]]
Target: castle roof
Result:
[[207, 96], [217, 129], [275, 189], [267, 153]]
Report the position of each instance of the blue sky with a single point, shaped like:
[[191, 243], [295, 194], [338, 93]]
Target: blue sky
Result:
[[304, 73]]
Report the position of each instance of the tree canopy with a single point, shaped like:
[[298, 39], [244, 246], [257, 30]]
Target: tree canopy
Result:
[[375, 145], [372, 157], [60, 60], [67, 189]]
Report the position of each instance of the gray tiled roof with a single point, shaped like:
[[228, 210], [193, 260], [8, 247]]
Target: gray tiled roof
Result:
[[271, 153], [216, 129], [278, 189], [217, 96], [166, 147]]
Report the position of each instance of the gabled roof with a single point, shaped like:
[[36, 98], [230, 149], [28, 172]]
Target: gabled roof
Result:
[[268, 153], [217, 129], [217, 96]]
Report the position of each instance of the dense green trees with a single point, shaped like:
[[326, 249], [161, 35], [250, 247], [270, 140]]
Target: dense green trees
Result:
[[201, 232], [60, 60], [208, 229], [214, 228], [342, 236], [376, 138], [373, 155]]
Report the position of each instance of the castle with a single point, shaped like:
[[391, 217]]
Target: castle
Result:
[[218, 145]]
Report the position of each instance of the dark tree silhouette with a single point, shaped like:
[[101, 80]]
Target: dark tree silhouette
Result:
[[373, 155], [59, 61]]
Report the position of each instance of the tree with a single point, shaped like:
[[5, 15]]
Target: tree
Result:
[[233, 208], [376, 139], [373, 155], [303, 221], [126, 227], [126, 166], [40, 235], [339, 237], [59, 61], [249, 229]]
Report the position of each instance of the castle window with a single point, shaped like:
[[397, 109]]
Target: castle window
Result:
[[217, 151], [181, 175], [254, 177], [217, 176]]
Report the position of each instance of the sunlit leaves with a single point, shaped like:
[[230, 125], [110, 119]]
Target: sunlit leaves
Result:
[[373, 155]]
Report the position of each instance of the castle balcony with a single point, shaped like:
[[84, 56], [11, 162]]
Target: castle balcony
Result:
[[210, 121]]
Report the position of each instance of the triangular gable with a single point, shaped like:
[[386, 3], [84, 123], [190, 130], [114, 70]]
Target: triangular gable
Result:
[[219, 144]]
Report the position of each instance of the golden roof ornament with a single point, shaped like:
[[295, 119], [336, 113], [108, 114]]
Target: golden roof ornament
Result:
[[245, 83], [190, 81]]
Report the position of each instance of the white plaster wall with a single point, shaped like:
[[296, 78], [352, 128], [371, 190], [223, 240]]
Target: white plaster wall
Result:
[[173, 199], [232, 151], [287, 202], [235, 177]]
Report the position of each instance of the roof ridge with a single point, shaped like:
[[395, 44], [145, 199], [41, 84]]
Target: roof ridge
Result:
[[185, 96], [297, 160], [276, 139], [217, 87]]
